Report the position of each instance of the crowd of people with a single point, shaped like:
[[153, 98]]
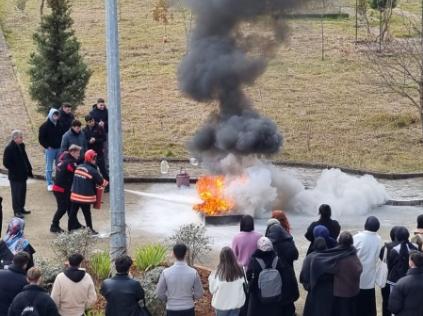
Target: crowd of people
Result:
[[78, 156], [254, 277]]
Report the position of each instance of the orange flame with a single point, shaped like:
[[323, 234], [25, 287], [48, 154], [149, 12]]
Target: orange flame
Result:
[[211, 191]]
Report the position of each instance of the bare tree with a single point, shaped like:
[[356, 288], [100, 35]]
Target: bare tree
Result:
[[400, 65]]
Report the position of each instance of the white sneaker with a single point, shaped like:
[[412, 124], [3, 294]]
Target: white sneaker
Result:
[[50, 187]]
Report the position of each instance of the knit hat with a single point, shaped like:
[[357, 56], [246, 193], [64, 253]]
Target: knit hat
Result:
[[264, 244]]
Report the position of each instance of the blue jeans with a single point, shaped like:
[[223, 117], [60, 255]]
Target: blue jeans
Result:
[[50, 156], [231, 312]]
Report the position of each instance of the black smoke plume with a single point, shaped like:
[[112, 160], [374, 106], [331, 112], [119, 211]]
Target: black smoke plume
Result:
[[220, 62]]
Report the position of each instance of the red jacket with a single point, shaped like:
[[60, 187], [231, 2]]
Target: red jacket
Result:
[[64, 173]]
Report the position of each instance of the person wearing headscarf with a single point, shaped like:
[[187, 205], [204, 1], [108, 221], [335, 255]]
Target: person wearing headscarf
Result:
[[290, 293], [323, 232], [319, 299], [325, 220], [384, 253], [397, 259], [283, 219], [368, 244], [16, 241], [283, 242], [418, 233]]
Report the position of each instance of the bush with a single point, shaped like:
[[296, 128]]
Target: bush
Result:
[[67, 244], [49, 270], [150, 256], [100, 265], [149, 283], [194, 237]]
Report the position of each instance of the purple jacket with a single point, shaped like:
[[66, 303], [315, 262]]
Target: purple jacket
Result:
[[244, 244]]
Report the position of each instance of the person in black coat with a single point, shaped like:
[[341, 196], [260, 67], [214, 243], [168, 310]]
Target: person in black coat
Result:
[[283, 242], [407, 294], [33, 298], [325, 220], [50, 137], [121, 292], [12, 281], [290, 293], [66, 117], [19, 169], [100, 114]]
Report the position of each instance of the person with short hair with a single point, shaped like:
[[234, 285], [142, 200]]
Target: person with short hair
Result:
[[19, 169], [73, 290], [74, 136], [50, 137], [179, 285], [66, 117], [121, 292], [65, 170], [245, 242], [368, 244], [12, 281], [407, 295], [332, 225], [33, 298], [226, 284]]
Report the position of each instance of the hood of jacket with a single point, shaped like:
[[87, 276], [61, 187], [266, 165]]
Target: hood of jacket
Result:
[[50, 115], [75, 274], [275, 232]]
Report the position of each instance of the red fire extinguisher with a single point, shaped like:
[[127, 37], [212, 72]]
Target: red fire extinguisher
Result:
[[99, 190]]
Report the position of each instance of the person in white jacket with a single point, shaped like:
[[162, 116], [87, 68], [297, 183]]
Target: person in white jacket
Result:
[[74, 290], [368, 244], [226, 285]]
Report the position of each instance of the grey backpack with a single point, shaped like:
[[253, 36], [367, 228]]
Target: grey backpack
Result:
[[269, 282]]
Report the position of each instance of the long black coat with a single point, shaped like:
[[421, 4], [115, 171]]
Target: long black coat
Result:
[[36, 296], [283, 243], [331, 224], [99, 134], [397, 264], [12, 281], [101, 115], [407, 294], [290, 291], [122, 295], [16, 161], [65, 121]]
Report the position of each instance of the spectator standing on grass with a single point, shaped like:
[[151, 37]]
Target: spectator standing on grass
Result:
[[179, 285], [325, 220], [19, 169], [121, 292], [74, 136], [245, 242], [12, 281], [65, 170], [282, 305], [407, 295], [33, 300], [73, 290], [66, 117], [50, 137], [226, 285], [368, 245], [95, 137], [283, 242], [384, 254], [16, 241]]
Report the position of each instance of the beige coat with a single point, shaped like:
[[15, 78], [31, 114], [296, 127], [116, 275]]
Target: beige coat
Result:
[[73, 298]]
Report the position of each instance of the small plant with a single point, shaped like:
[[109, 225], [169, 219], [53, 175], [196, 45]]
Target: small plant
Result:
[[99, 265], [49, 270], [67, 244], [194, 237], [150, 256], [94, 313]]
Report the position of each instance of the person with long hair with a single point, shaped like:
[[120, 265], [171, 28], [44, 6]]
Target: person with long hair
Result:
[[245, 242], [283, 219], [226, 285]]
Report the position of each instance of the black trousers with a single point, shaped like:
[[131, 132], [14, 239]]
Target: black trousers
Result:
[[73, 222], [385, 299], [366, 302], [63, 206], [186, 312], [18, 189]]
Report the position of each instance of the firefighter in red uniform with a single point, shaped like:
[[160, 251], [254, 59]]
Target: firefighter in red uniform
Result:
[[62, 184], [83, 192]]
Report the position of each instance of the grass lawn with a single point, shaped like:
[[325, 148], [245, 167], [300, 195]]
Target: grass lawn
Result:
[[330, 110]]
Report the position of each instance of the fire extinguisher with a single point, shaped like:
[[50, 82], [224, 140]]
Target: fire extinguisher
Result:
[[99, 190]]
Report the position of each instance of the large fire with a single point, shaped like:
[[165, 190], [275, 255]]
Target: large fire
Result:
[[211, 191]]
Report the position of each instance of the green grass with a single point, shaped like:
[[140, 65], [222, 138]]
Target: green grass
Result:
[[100, 265], [150, 256], [324, 108]]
